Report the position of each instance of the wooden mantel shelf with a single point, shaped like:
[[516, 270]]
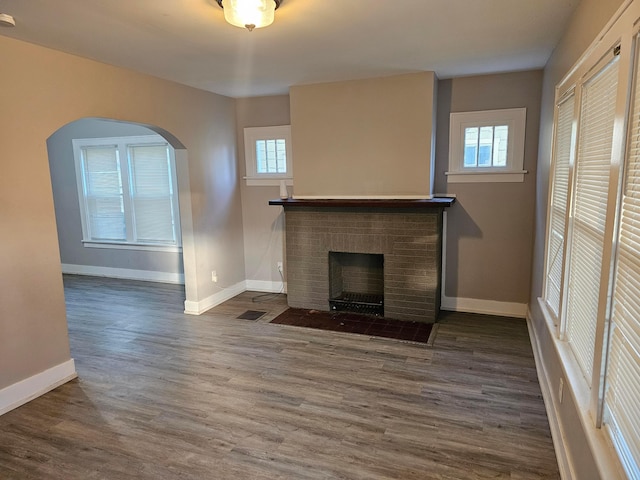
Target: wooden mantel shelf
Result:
[[437, 202]]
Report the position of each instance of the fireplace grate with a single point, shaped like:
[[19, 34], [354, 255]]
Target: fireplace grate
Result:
[[367, 303]]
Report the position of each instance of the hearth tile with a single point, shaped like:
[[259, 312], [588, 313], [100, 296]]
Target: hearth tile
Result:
[[347, 322], [407, 333]]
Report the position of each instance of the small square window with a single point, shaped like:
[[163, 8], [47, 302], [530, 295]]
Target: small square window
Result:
[[487, 146], [268, 155]]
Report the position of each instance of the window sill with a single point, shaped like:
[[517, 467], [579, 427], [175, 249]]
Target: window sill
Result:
[[488, 176], [132, 246], [267, 181]]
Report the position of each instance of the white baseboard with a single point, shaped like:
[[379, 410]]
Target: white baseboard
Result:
[[129, 274], [196, 308], [26, 390], [564, 465], [266, 286], [487, 307]]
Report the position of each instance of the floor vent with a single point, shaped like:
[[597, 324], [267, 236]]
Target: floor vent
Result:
[[251, 315]]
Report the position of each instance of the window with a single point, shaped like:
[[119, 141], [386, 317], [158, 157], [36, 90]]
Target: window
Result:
[[586, 246], [267, 153], [592, 281], [127, 192], [558, 202], [622, 392], [487, 146]]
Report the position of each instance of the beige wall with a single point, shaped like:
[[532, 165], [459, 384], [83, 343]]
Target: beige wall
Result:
[[490, 227], [364, 138], [263, 224], [588, 20], [44, 90]]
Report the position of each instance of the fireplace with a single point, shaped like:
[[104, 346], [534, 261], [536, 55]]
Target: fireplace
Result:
[[356, 282], [399, 241]]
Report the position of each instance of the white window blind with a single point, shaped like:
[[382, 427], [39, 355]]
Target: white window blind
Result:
[[103, 191], [622, 394], [558, 205], [152, 194], [589, 212], [127, 189]]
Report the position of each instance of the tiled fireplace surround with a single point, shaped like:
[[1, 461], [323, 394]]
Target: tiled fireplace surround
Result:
[[410, 239]]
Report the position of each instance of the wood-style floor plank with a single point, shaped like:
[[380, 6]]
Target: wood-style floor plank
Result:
[[163, 395]]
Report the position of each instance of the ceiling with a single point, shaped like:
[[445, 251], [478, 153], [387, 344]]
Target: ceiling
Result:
[[311, 41]]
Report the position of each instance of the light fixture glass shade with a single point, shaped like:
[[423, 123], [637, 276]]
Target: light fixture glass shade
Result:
[[244, 13]]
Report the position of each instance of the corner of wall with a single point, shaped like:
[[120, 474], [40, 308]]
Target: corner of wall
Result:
[[24, 391]]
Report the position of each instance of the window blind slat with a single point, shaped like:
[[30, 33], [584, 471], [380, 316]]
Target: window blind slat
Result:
[[589, 213]]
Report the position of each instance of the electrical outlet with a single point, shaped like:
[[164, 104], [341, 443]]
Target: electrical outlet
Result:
[[560, 390], [214, 276], [279, 266]]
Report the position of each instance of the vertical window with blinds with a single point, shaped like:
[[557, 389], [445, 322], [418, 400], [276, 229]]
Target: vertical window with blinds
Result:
[[152, 194], [103, 193], [622, 393], [558, 203], [127, 191], [594, 291], [591, 188]]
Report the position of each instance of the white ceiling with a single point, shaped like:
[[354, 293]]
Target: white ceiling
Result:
[[310, 41]]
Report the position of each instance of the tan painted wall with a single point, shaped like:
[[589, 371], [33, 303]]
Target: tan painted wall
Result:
[[490, 227], [263, 224], [587, 21], [364, 137], [41, 90]]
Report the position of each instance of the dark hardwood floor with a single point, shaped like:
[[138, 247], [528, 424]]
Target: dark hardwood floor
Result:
[[163, 395]]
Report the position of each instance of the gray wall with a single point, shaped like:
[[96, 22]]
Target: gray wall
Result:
[[490, 227], [263, 224], [67, 207], [587, 21]]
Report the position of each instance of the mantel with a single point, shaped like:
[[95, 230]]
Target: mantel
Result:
[[437, 202]]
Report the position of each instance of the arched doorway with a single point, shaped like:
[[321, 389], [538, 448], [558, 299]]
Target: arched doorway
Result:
[[170, 264]]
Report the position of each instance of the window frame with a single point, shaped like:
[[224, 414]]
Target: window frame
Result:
[[122, 145], [254, 134], [513, 171], [620, 37]]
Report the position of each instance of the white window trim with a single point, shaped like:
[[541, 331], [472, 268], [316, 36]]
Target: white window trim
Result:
[[253, 134], [122, 143], [514, 171]]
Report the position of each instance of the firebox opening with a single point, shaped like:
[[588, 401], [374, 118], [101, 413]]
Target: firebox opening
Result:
[[356, 282]]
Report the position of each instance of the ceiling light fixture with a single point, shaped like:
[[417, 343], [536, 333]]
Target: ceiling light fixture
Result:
[[249, 14], [7, 20]]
